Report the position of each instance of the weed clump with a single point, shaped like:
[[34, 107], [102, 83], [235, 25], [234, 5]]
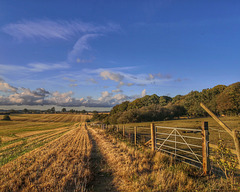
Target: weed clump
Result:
[[6, 118]]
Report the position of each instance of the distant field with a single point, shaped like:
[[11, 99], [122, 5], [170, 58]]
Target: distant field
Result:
[[49, 117], [29, 131]]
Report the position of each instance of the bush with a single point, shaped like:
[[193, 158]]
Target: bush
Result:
[[6, 118]]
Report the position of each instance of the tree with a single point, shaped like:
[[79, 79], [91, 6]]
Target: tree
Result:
[[164, 100], [53, 110], [64, 110], [228, 102]]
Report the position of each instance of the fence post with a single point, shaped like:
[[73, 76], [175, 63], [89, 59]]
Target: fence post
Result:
[[205, 148], [135, 135], [123, 130], [153, 136], [237, 144]]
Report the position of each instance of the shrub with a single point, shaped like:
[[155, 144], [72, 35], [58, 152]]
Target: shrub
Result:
[[6, 118]]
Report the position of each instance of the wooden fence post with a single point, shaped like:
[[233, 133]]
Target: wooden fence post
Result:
[[205, 148], [123, 130], [237, 144], [231, 132], [153, 136], [135, 135]]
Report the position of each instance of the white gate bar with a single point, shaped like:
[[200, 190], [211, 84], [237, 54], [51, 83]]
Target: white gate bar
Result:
[[188, 145], [182, 156], [186, 129], [158, 133], [192, 164], [164, 140], [181, 150], [179, 143]]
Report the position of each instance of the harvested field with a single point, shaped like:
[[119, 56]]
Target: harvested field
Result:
[[48, 117], [62, 165], [68, 156]]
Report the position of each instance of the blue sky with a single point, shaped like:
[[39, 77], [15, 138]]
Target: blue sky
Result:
[[100, 53]]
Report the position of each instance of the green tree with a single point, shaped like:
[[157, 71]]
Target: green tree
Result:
[[53, 110], [164, 100], [228, 102]]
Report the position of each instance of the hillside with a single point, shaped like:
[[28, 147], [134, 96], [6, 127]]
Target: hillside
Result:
[[221, 99]]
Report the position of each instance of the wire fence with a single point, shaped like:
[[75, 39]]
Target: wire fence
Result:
[[185, 144]]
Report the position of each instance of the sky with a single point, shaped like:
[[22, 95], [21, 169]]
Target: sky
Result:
[[100, 53]]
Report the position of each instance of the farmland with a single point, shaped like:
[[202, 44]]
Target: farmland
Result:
[[27, 132], [59, 152]]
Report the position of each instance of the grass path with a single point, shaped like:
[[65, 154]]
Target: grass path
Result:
[[101, 172]]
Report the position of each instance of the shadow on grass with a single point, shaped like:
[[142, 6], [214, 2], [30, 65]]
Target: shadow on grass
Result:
[[102, 174]]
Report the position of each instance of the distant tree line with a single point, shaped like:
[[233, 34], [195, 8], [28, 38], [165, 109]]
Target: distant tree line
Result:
[[221, 99]]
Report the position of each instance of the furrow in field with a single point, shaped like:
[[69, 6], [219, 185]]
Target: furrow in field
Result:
[[62, 165]]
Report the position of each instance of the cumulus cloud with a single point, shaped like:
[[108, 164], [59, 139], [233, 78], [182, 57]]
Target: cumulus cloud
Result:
[[48, 29], [5, 87], [40, 96], [144, 92], [27, 97], [112, 76]]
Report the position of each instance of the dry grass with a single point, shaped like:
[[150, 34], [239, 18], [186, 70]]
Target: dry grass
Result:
[[62, 165], [136, 170]]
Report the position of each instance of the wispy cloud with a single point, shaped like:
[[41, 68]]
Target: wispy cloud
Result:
[[33, 67], [48, 29], [117, 91], [79, 47], [40, 67]]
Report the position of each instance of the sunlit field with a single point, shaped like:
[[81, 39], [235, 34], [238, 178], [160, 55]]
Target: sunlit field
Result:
[[27, 132]]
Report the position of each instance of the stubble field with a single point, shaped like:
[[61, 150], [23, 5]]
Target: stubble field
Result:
[[61, 153]]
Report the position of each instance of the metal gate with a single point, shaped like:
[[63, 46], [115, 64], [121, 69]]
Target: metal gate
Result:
[[183, 143]]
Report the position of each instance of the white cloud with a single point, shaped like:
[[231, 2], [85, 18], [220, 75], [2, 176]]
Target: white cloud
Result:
[[48, 29], [73, 85], [5, 87], [80, 46], [70, 80], [40, 67], [144, 92], [32, 67], [117, 91], [40, 96], [111, 75]]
